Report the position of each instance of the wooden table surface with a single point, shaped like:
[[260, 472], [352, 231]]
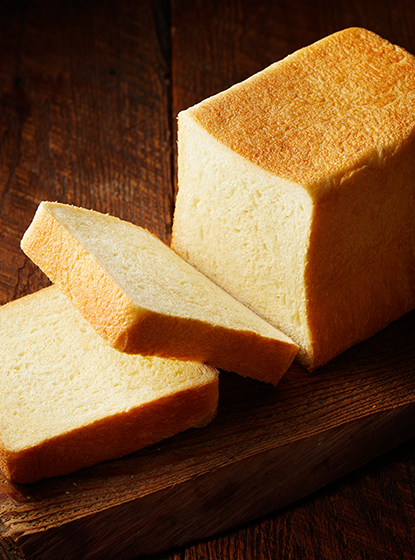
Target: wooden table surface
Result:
[[89, 94]]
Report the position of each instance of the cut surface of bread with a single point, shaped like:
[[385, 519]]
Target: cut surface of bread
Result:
[[69, 400], [142, 297], [305, 172]]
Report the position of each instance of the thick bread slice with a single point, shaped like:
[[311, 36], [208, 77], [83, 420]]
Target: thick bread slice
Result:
[[306, 174], [142, 297], [69, 400]]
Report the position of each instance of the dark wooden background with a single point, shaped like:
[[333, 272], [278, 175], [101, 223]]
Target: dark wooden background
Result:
[[89, 93]]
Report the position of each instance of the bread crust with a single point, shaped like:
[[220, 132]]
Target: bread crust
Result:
[[63, 259], [360, 272], [319, 112], [112, 437], [243, 352]]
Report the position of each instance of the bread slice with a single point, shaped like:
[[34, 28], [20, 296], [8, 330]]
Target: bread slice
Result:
[[296, 191], [69, 400], [142, 297]]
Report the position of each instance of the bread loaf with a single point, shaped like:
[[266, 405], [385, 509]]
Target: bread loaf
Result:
[[142, 297], [296, 191], [69, 400]]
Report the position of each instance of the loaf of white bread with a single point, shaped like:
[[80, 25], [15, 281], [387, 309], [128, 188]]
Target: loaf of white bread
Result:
[[68, 400], [296, 191], [143, 298], [296, 196]]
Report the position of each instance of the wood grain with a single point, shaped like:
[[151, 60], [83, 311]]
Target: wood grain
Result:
[[89, 93], [266, 449], [80, 122]]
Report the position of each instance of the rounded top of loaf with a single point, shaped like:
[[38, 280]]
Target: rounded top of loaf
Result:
[[337, 105]]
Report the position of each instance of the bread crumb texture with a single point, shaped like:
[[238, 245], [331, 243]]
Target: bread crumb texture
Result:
[[144, 298], [69, 400], [296, 191]]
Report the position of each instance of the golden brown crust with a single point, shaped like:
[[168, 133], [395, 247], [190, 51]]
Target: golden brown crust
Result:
[[321, 111], [112, 437], [360, 272], [75, 272], [244, 352]]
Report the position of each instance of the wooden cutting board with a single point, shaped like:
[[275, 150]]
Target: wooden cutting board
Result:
[[267, 448]]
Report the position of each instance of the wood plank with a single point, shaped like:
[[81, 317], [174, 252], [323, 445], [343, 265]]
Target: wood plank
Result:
[[79, 123], [267, 448]]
